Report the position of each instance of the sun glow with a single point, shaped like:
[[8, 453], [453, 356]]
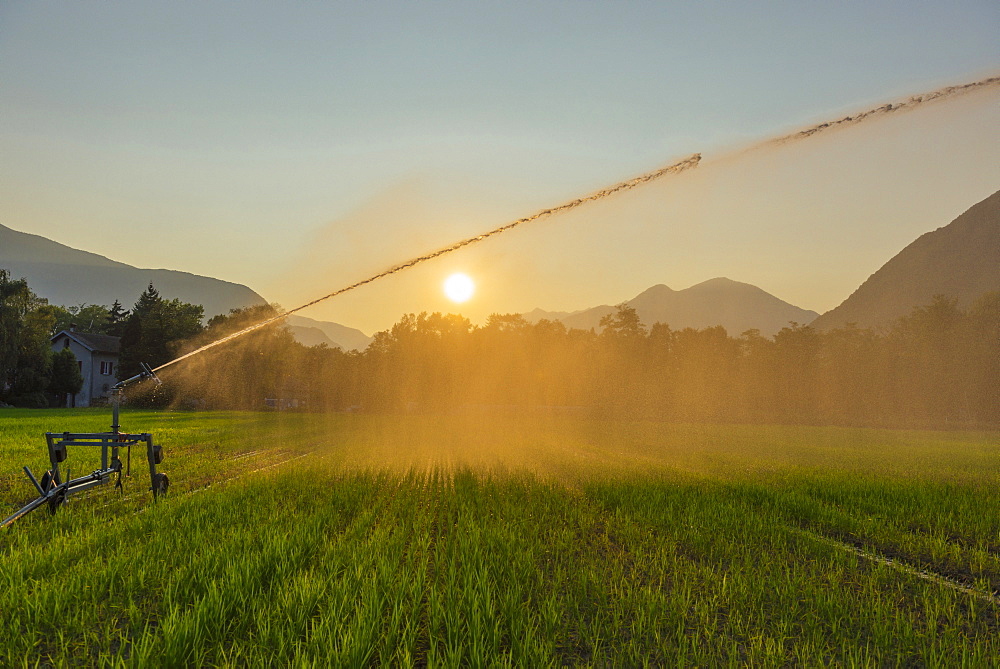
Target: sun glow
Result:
[[459, 287]]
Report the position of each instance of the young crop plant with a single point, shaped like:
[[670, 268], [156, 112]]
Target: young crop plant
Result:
[[342, 540]]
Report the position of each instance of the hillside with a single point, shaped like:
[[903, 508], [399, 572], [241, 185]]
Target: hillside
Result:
[[68, 276], [736, 306], [960, 260], [311, 332]]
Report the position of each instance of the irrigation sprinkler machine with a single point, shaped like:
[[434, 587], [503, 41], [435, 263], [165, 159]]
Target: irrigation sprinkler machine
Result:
[[54, 487]]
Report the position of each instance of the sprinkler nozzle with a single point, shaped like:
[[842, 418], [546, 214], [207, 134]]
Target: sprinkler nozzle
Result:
[[146, 373]]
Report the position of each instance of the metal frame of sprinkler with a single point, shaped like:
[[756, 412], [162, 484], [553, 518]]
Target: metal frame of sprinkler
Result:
[[53, 489]]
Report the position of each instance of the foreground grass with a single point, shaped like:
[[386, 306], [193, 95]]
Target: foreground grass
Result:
[[464, 541]]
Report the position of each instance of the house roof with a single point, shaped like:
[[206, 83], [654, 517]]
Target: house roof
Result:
[[93, 342]]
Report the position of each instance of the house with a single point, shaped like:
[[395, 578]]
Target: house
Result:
[[97, 356]]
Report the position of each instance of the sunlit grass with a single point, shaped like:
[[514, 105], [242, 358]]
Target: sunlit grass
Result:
[[529, 541]]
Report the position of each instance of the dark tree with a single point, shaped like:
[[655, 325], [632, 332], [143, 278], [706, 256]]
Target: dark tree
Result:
[[154, 331], [25, 323], [66, 379], [624, 324], [116, 319], [15, 299]]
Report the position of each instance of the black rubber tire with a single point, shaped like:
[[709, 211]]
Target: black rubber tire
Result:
[[160, 484], [57, 500]]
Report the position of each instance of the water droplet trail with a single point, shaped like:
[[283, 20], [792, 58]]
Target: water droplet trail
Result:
[[675, 168]]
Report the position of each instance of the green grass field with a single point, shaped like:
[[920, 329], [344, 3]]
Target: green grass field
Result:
[[353, 540]]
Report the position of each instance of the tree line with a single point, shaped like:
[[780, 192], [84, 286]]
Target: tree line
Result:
[[33, 375], [939, 366]]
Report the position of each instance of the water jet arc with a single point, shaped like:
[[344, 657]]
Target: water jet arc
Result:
[[675, 168]]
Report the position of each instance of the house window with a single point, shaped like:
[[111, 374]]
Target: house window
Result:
[[107, 368], [66, 342]]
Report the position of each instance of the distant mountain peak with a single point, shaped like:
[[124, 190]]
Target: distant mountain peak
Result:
[[656, 291], [736, 306], [724, 283]]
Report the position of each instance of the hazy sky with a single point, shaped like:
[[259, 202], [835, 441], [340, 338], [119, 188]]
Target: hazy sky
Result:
[[298, 147]]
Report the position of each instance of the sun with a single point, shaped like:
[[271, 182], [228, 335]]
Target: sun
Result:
[[459, 287]]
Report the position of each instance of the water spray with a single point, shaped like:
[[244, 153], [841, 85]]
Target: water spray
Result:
[[888, 108], [675, 168], [54, 488]]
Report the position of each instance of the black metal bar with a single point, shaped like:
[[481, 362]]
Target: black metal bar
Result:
[[85, 486], [151, 457], [50, 442], [24, 510], [33, 480], [94, 438], [101, 476]]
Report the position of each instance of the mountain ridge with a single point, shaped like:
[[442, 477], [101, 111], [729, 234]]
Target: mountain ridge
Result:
[[310, 332], [734, 305], [960, 260], [69, 276]]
